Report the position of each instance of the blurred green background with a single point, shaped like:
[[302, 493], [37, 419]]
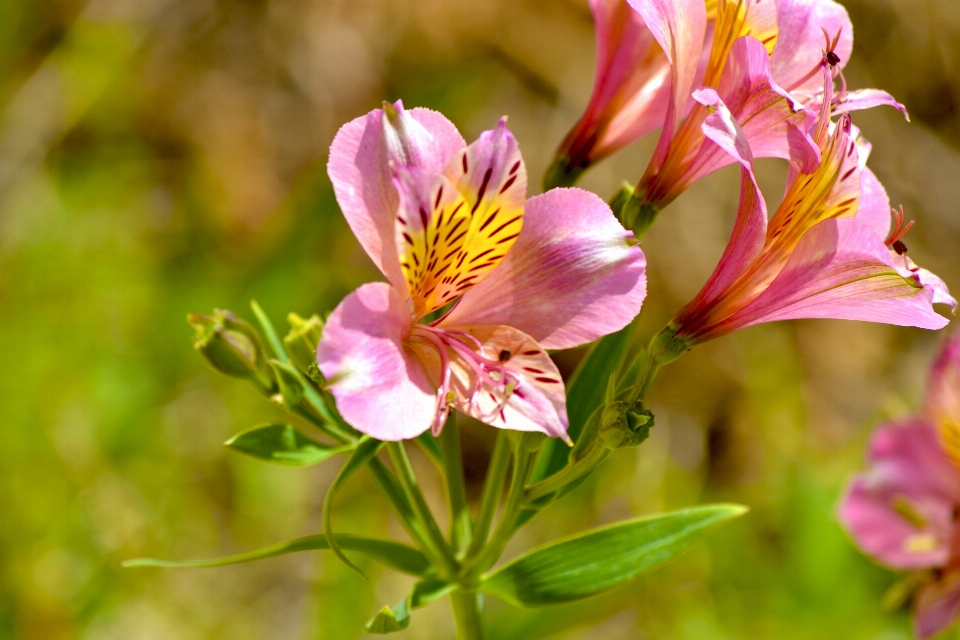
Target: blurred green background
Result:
[[165, 156]]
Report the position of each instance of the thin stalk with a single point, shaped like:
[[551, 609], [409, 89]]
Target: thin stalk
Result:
[[468, 612], [492, 490], [452, 456], [522, 465], [565, 476], [408, 480]]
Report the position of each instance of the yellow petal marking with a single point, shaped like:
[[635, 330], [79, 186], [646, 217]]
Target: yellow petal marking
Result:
[[734, 19]]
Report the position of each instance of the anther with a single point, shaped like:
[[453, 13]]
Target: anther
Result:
[[895, 241], [504, 355]]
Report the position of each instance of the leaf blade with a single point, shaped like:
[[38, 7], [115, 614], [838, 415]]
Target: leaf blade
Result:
[[392, 554], [282, 444], [590, 563], [366, 450]]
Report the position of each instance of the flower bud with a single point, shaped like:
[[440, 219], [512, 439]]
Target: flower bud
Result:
[[301, 342], [228, 343], [625, 424]]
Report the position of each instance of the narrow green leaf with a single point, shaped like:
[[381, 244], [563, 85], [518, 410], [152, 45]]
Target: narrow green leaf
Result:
[[392, 554], [430, 446], [596, 561], [283, 444], [273, 340], [584, 394], [389, 620], [366, 449]]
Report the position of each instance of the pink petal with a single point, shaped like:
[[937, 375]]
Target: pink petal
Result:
[[937, 605], [630, 90], [381, 388], [490, 173], [775, 125], [537, 404], [867, 99], [874, 210], [362, 181], [800, 42], [572, 276], [942, 402], [841, 269], [679, 26], [900, 511], [750, 228]]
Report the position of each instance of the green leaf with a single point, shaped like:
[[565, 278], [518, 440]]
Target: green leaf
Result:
[[366, 449], [392, 554], [584, 395], [389, 620], [283, 444], [591, 563], [273, 341]]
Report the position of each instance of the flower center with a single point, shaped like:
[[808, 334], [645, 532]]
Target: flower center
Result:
[[466, 372]]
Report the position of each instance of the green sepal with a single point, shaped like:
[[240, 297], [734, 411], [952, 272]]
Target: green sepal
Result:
[[290, 383], [591, 563], [391, 554], [302, 339], [283, 444], [366, 449]]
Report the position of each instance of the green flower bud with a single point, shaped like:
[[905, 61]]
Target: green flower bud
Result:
[[625, 424], [301, 342], [229, 344]]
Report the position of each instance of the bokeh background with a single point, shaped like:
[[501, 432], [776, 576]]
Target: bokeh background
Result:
[[165, 156]]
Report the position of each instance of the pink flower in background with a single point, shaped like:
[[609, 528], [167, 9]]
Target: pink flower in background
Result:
[[630, 92], [823, 254], [449, 224], [764, 66], [903, 510]]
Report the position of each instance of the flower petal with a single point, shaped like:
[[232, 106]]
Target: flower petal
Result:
[[942, 401], [867, 99], [537, 404], [900, 511], [841, 269], [874, 209], [431, 227], [800, 43], [937, 605], [362, 180], [572, 276], [679, 26], [749, 231], [775, 125], [381, 388]]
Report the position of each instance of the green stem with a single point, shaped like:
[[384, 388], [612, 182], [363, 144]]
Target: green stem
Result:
[[468, 612], [492, 490], [433, 537], [565, 476], [456, 493], [522, 464]]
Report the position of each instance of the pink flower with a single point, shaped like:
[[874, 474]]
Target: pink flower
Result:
[[630, 92], [903, 510], [823, 254], [764, 66], [449, 225]]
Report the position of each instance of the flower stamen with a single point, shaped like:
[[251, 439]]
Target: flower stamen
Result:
[[895, 241]]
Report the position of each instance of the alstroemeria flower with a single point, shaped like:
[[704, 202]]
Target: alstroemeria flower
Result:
[[631, 90], [903, 510], [823, 254], [449, 224], [764, 66]]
